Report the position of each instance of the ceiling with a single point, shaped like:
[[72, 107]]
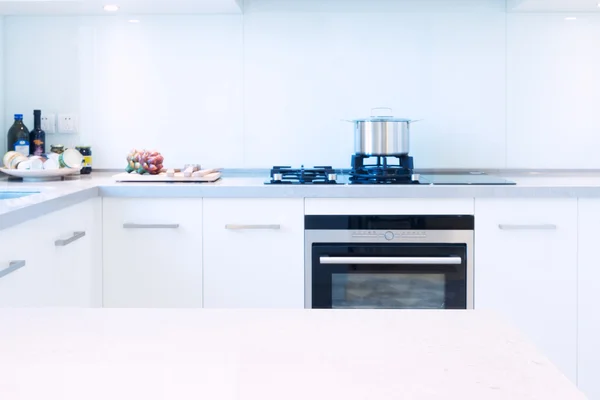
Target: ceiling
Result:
[[127, 7], [556, 5]]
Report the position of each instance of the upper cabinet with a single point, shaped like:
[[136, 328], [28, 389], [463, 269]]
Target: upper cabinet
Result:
[[126, 7], [553, 5]]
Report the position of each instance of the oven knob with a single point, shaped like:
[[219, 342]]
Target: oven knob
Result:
[[389, 235]]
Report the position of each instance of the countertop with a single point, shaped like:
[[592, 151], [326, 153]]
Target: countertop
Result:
[[73, 354], [59, 194]]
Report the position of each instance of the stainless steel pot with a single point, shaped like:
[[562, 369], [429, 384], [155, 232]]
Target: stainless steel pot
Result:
[[382, 135]]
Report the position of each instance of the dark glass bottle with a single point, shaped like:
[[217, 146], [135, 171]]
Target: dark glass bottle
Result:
[[37, 137], [18, 137]]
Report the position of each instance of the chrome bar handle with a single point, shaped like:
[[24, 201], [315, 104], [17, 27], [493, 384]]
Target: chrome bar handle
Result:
[[528, 227], [233, 227], [12, 267], [150, 226], [389, 114], [66, 242], [393, 260]]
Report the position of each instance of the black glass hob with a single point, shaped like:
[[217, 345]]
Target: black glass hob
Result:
[[463, 179]]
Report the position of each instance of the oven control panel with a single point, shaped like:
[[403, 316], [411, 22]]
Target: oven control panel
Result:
[[389, 235]]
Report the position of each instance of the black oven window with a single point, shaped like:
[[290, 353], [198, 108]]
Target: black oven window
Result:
[[388, 290]]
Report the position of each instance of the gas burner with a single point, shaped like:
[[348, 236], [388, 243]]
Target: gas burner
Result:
[[312, 176], [398, 172]]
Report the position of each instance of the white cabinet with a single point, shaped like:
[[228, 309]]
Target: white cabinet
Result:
[[589, 298], [59, 255], [254, 253], [24, 269], [152, 252], [75, 257], [526, 269]]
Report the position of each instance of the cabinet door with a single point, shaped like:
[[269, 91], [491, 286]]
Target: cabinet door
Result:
[[61, 269], [28, 282], [589, 298], [526, 269], [152, 252], [75, 259], [254, 253]]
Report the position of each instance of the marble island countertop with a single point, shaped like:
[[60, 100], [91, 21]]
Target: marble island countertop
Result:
[[55, 195], [282, 354]]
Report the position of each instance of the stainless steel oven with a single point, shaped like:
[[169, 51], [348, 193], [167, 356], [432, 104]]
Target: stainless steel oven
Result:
[[389, 261]]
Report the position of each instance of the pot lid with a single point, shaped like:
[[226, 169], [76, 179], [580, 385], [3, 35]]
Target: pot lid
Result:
[[381, 119], [383, 114]]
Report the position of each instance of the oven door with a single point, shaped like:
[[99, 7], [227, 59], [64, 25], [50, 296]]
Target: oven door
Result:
[[389, 276]]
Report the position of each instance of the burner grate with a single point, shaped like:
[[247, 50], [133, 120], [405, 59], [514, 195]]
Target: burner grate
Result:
[[319, 175], [387, 170]]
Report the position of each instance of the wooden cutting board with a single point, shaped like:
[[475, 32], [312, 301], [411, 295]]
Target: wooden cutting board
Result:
[[162, 177]]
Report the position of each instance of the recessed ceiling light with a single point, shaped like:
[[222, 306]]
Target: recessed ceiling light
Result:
[[134, 21], [571, 19], [111, 8]]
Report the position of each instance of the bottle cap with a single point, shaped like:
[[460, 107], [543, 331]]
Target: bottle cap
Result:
[[37, 112], [18, 116]]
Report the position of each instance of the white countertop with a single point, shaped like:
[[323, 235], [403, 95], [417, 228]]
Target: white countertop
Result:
[[59, 194], [74, 354]]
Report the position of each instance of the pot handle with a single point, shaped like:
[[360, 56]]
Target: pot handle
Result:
[[415, 120], [381, 108]]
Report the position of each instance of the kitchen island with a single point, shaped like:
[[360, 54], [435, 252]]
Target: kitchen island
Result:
[[239, 243], [71, 354]]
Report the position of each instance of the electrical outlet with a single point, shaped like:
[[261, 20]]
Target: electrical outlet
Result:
[[67, 123], [49, 123]]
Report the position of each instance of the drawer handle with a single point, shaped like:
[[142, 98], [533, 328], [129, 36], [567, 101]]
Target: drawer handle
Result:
[[66, 242], [251, 227], [12, 267], [534, 227], [392, 260], [150, 226]]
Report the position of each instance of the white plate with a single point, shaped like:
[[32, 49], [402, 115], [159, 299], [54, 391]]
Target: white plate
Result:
[[41, 173]]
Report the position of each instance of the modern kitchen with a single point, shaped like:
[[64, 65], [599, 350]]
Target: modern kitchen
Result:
[[244, 199]]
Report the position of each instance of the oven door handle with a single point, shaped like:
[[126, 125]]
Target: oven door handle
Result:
[[393, 260]]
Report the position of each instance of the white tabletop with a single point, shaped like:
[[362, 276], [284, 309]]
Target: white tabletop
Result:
[[284, 355]]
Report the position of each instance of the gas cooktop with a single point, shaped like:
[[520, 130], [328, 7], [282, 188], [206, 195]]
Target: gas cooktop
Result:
[[395, 175]]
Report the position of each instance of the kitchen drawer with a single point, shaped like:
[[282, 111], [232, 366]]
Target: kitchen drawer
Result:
[[254, 253], [152, 252], [526, 270]]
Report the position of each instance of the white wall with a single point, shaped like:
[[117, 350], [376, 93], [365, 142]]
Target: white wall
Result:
[[553, 91], [173, 83], [41, 69], [306, 71], [272, 87]]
